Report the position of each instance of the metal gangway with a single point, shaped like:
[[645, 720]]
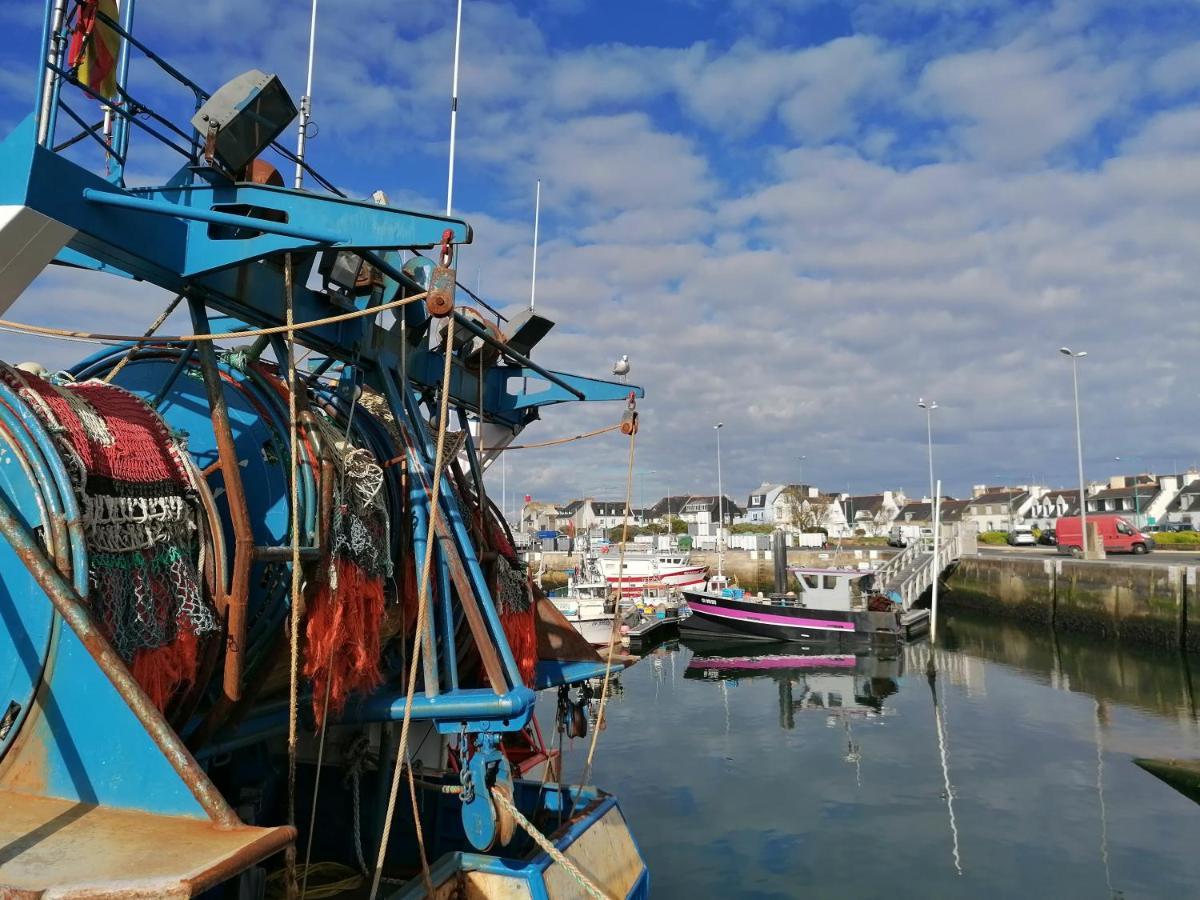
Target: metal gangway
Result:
[[909, 573]]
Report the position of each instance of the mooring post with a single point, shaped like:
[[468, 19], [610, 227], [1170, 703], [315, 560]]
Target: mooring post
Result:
[[779, 557]]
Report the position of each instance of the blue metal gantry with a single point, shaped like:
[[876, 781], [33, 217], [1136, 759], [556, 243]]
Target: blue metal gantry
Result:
[[225, 244]]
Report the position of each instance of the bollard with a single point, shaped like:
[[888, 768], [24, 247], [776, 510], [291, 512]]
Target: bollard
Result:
[[779, 554]]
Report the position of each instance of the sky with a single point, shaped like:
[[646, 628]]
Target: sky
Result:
[[795, 216]]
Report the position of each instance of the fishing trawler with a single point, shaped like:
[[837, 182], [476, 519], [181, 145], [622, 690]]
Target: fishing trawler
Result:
[[259, 618], [639, 571], [830, 604]]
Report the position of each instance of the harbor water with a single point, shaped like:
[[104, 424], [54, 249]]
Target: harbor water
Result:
[[788, 771]]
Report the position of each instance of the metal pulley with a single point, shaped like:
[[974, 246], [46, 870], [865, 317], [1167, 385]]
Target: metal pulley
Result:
[[442, 281], [629, 418]]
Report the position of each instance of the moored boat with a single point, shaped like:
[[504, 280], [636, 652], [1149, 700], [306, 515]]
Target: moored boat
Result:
[[636, 572], [827, 604]]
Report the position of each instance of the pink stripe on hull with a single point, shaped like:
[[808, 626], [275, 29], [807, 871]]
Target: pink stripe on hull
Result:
[[767, 618]]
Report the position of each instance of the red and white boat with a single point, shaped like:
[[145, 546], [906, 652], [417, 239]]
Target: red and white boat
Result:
[[644, 571]]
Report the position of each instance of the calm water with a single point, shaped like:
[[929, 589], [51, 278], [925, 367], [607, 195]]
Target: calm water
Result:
[[797, 774]]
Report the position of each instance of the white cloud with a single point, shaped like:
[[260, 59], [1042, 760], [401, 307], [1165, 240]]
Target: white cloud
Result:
[[1016, 104]]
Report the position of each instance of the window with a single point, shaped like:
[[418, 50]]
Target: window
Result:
[[1124, 528], [810, 581], [830, 582]]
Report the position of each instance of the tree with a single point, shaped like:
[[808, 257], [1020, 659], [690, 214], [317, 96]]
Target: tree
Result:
[[799, 511]]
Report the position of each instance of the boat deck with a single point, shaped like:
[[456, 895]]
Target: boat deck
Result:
[[71, 849]]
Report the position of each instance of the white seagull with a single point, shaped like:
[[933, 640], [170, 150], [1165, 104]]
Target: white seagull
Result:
[[621, 367]]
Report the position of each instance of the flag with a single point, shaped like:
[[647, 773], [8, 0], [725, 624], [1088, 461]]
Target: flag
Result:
[[93, 53]]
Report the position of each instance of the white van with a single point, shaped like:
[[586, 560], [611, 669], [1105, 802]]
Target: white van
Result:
[[902, 535]]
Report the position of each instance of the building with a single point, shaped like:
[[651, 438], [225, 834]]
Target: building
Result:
[[1048, 506], [537, 517], [707, 511], [871, 514], [796, 507], [666, 508], [999, 508], [1184, 507]]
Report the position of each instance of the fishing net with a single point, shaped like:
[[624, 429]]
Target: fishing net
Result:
[[139, 511], [345, 616]]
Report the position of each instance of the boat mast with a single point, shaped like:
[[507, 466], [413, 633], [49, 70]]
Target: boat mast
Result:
[[537, 209], [454, 109], [306, 100]]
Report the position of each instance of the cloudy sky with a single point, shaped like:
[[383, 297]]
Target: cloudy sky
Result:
[[794, 216]]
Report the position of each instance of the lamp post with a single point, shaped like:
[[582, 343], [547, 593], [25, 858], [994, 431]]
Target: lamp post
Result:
[[720, 504], [1137, 507], [801, 460], [929, 406], [1075, 357]]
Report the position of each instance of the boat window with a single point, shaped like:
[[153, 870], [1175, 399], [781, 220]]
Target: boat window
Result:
[[830, 582], [835, 699], [810, 581]]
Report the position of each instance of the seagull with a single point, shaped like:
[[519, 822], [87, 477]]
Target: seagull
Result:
[[621, 368]]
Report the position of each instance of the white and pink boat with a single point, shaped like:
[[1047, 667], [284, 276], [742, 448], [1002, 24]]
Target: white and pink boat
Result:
[[644, 571]]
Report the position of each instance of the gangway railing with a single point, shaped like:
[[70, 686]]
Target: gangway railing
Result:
[[909, 574]]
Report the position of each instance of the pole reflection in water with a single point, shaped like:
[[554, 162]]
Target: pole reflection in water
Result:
[[940, 721], [1101, 719]]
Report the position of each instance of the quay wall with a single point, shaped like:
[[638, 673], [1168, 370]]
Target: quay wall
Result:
[[1143, 604]]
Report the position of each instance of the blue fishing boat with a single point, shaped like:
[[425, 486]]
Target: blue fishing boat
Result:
[[261, 627]]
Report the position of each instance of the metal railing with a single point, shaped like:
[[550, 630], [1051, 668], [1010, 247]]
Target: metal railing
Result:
[[910, 573]]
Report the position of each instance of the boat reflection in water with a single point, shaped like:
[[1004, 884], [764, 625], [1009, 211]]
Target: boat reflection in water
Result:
[[810, 678]]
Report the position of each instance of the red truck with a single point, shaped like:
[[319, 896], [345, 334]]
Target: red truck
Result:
[[1117, 533]]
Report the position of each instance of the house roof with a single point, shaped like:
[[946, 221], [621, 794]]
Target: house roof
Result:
[[1191, 489], [660, 508], [712, 504], [1144, 492], [953, 510], [919, 511], [1003, 495], [609, 507], [869, 504], [1070, 496]]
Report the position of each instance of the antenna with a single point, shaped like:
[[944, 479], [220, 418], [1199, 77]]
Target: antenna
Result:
[[537, 211], [306, 100], [454, 109]]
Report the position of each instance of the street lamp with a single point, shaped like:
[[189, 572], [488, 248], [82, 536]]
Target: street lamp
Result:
[[720, 502], [801, 460], [929, 406], [1075, 357]]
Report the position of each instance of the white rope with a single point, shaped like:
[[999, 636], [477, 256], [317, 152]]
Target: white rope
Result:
[[294, 618], [616, 624], [542, 841], [422, 609]]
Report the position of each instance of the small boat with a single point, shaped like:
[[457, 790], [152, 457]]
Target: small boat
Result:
[[589, 610], [636, 571], [827, 604]]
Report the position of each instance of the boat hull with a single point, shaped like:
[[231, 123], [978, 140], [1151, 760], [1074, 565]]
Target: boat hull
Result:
[[717, 617]]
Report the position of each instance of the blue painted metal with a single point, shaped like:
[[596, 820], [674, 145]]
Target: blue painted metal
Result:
[[121, 125], [487, 767], [589, 807], [212, 217], [554, 672], [205, 235]]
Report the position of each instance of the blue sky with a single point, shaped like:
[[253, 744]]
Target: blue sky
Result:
[[795, 216]]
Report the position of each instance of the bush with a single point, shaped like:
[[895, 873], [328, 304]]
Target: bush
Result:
[[751, 528], [1177, 537], [993, 537]]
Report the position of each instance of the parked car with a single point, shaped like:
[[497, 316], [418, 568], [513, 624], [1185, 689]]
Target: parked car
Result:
[[1048, 538], [1169, 527], [1117, 533], [1021, 537]]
